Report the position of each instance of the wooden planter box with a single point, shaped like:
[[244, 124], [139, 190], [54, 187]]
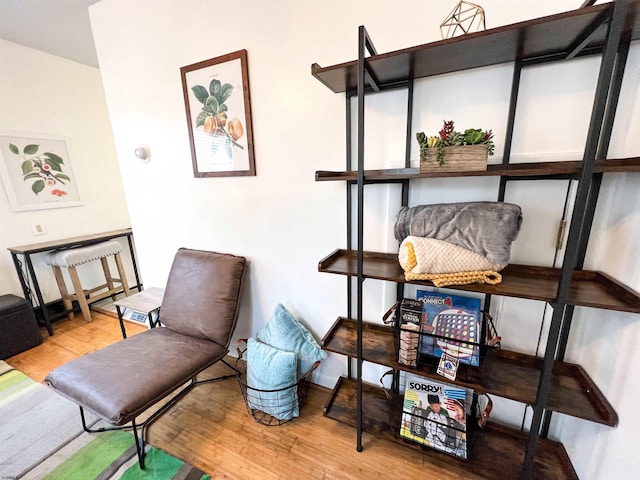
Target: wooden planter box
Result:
[[456, 159]]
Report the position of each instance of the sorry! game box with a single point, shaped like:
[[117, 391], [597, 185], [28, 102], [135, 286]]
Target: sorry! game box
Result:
[[434, 414], [451, 324]]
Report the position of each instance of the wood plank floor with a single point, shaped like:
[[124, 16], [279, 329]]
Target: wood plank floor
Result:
[[211, 429]]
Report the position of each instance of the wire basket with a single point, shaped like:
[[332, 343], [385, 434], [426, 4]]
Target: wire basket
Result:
[[423, 424], [419, 347], [286, 401], [435, 431]]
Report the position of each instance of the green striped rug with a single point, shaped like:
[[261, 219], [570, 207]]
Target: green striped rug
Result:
[[42, 438]]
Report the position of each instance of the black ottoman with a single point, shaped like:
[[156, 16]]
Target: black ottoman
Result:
[[18, 327]]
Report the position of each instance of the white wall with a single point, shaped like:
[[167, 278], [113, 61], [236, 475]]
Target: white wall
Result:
[[285, 222], [45, 94]]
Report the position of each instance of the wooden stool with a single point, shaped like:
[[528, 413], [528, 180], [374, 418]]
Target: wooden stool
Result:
[[71, 258]]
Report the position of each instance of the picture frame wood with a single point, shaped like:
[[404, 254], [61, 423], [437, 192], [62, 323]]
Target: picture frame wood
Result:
[[36, 171], [218, 108]]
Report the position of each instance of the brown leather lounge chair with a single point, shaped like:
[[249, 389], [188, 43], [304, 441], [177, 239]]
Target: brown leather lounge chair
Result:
[[199, 313]]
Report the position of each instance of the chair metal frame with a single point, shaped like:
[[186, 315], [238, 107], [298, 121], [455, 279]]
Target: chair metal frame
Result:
[[142, 427]]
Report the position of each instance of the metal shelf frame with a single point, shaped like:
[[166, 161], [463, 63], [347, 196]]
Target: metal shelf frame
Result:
[[613, 48]]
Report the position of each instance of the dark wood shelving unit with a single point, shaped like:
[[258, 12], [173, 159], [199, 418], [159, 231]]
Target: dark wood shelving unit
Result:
[[588, 288], [546, 383], [494, 452], [504, 373], [568, 34], [561, 169]]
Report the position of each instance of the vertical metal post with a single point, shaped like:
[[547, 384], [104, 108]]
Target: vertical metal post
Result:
[[404, 198], [360, 257], [407, 148], [603, 147], [513, 104], [349, 165], [506, 153], [578, 222], [404, 194], [511, 118], [363, 44]]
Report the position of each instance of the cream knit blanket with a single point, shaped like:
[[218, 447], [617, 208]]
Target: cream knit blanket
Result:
[[444, 263]]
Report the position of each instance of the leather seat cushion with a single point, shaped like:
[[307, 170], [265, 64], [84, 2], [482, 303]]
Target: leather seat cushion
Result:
[[120, 381]]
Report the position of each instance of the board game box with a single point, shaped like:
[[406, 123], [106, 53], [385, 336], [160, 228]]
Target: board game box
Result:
[[410, 315], [434, 414], [451, 324]]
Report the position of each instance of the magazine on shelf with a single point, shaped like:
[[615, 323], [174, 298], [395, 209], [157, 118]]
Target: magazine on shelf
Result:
[[451, 324], [434, 414]]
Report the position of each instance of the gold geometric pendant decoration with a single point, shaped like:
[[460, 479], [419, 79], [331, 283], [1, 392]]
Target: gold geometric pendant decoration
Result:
[[464, 18]]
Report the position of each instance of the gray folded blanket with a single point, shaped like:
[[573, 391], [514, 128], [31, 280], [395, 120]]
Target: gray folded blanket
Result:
[[487, 228]]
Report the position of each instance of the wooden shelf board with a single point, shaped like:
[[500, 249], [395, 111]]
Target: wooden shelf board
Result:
[[554, 35], [503, 373], [588, 288], [494, 452], [514, 170]]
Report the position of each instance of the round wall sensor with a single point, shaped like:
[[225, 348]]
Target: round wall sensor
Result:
[[143, 153]]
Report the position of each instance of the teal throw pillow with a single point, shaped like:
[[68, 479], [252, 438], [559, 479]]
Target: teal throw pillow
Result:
[[285, 332], [271, 380]]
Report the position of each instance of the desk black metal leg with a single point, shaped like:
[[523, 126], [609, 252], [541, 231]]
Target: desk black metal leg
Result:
[[36, 289], [121, 320], [133, 261], [22, 276]]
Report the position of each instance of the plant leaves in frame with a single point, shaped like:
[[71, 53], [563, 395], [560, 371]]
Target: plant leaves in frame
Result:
[[31, 149], [212, 105], [54, 165], [27, 167], [225, 93], [14, 149], [200, 119], [37, 186], [201, 93], [214, 88], [54, 158], [62, 176]]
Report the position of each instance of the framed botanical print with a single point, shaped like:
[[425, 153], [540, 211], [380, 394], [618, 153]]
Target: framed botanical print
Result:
[[36, 171], [218, 106]]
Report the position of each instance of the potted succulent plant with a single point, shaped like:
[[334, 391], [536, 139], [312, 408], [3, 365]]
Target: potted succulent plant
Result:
[[455, 151]]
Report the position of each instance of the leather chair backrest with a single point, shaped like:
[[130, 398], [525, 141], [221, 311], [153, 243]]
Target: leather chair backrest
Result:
[[202, 295]]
